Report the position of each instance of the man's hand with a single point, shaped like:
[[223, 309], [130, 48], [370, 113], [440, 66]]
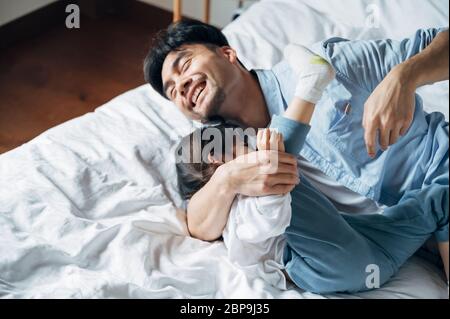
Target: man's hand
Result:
[[389, 110], [260, 173]]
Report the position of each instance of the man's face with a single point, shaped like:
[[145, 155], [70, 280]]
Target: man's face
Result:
[[198, 79]]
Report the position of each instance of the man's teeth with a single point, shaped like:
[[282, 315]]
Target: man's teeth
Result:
[[197, 94]]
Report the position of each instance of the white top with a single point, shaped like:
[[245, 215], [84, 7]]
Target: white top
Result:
[[253, 235], [343, 198]]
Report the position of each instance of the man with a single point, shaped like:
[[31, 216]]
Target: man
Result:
[[370, 134]]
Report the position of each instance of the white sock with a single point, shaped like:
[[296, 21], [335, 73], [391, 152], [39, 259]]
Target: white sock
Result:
[[314, 73]]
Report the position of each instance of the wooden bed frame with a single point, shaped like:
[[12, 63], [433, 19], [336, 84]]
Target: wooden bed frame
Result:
[[177, 10]]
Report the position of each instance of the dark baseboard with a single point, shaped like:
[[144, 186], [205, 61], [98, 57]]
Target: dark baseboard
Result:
[[54, 14]]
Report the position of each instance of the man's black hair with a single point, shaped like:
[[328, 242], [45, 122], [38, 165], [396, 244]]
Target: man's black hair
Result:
[[177, 35]]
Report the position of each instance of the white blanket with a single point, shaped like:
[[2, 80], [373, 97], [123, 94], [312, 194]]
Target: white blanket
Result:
[[88, 210]]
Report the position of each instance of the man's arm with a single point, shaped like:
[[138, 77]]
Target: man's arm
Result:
[[389, 71], [208, 209], [255, 174], [430, 65], [390, 108]]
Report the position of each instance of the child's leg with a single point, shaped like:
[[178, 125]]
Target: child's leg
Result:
[[324, 253], [328, 252], [313, 72], [403, 228], [313, 76]]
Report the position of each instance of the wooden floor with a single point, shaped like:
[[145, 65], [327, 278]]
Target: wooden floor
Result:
[[64, 73]]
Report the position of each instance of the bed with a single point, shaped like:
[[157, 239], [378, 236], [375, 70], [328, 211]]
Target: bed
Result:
[[89, 209]]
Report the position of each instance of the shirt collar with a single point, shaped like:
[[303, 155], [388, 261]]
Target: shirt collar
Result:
[[271, 91]]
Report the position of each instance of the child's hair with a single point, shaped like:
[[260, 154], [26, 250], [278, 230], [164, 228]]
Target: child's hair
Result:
[[193, 169]]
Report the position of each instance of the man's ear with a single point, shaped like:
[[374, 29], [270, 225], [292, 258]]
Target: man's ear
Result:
[[229, 53]]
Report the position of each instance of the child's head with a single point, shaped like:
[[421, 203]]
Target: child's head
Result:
[[199, 154]]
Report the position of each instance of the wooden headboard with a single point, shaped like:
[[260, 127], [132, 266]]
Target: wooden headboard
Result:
[[178, 10]]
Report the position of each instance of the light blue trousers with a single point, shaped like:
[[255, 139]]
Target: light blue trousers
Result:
[[327, 251]]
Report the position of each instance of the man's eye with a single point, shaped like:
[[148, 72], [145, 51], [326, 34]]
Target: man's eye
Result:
[[186, 65]]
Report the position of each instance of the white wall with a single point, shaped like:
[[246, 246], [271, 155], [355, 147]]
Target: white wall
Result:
[[13, 9], [221, 10]]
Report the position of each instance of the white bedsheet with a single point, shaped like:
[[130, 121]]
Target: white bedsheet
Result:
[[88, 210]]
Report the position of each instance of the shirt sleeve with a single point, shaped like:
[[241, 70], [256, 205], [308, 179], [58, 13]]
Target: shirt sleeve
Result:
[[261, 218], [365, 63], [252, 228], [294, 133]]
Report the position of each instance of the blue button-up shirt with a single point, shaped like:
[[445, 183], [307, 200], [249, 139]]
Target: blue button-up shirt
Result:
[[336, 144]]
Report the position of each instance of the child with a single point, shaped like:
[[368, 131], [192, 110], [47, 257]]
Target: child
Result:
[[253, 234]]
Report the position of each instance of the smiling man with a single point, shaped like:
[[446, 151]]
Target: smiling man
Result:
[[202, 94], [196, 69], [370, 141]]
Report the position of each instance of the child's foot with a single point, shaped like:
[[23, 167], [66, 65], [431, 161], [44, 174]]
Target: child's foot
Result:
[[314, 73]]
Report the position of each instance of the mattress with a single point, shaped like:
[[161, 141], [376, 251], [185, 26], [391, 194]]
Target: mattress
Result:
[[90, 209]]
